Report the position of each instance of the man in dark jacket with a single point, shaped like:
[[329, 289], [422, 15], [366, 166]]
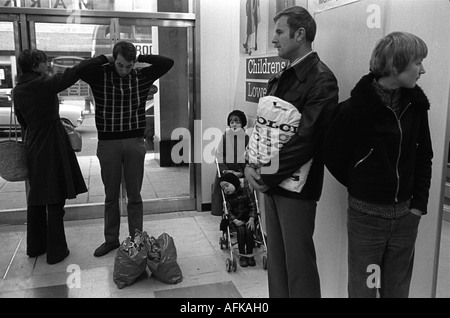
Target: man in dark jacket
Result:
[[309, 85]]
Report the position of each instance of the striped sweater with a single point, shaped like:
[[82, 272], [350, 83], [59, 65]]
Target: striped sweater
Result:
[[120, 101]]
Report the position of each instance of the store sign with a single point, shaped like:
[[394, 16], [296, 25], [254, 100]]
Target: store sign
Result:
[[254, 91], [143, 48], [322, 5], [51, 4], [264, 68], [259, 71]]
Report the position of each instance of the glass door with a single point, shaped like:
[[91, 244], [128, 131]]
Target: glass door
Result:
[[168, 185], [11, 194], [170, 109]]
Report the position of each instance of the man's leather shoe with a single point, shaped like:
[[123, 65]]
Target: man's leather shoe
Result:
[[105, 248]]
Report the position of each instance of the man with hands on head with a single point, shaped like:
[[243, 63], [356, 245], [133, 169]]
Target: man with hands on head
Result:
[[120, 92]]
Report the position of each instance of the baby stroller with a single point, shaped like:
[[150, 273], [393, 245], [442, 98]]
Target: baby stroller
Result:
[[227, 240]]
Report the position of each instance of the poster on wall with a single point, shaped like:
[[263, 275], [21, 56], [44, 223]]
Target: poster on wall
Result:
[[322, 5], [257, 25], [250, 25], [256, 47]]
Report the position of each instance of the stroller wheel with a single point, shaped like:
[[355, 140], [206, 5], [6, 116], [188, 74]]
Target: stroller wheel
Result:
[[234, 265], [264, 261], [228, 265]]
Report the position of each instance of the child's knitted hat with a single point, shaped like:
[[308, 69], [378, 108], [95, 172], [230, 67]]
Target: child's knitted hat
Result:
[[231, 178], [239, 114]]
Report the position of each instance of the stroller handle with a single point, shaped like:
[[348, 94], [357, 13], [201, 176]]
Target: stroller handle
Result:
[[221, 191]]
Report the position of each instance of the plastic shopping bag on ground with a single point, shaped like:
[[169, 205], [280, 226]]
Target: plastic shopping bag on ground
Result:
[[130, 262], [162, 259]]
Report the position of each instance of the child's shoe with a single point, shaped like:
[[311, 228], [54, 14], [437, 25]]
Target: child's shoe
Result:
[[251, 261], [243, 261]]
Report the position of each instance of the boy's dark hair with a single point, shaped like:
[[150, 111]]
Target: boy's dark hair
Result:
[[299, 17], [28, 59], [239, 114], [126, 49]]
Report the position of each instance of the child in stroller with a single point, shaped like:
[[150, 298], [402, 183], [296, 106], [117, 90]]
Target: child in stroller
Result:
[[242, 216], [230, 155]]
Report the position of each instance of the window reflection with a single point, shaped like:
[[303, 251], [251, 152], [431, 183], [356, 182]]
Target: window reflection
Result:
[[178, 6]]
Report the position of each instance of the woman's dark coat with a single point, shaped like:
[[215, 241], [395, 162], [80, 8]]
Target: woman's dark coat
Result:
[[54, 173]]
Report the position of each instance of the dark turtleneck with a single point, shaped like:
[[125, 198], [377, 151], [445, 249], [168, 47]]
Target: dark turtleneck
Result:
[[390, 97]]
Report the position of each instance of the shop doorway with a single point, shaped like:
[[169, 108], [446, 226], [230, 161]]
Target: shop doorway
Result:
[[168, 186]]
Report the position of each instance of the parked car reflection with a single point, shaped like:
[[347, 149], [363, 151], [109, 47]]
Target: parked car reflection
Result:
[[71, 114]]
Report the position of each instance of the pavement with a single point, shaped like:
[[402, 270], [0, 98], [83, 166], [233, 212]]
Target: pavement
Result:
[[201, 259], [159, 183]]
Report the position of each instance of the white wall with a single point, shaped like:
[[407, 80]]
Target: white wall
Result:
[[219, 27], [348, 53], [429, 20]]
